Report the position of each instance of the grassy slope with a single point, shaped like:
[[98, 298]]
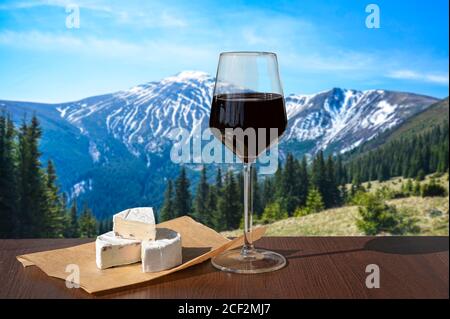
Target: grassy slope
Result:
[[396, 183], [341, 221]]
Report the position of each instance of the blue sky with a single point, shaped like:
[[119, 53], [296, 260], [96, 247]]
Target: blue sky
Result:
[[320, 44]]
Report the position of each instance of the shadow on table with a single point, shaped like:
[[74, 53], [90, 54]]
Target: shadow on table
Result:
[[192, 252], [388, 245], [408, 245]]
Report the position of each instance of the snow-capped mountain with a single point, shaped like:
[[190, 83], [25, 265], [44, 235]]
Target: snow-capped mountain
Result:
[[142, 116], [340, 119], [122, 138]]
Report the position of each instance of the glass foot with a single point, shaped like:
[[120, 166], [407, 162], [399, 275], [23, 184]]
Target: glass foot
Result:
[[255, 261]]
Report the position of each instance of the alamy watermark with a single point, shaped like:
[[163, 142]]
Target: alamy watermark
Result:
[[73, 279], [205, 147], [373, 279], [73, 16], [373, 19]]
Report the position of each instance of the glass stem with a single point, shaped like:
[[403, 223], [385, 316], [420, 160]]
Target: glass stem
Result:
[[247, 249]]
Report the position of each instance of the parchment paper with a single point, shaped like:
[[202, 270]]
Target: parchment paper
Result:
[[199, 244]]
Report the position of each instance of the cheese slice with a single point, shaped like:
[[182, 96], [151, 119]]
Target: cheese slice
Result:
[[163, 253], [113, 251], [135, 223]]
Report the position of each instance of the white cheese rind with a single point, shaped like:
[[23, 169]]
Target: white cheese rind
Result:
[[138, 214], [135, 223], [163, 253], [113, 251]]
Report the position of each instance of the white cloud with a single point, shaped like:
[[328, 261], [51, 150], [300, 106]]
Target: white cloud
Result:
[[143, 15], [339, 61], [252, 38], [155, 51], [169, 20], [406, 74], [55, 3], [172, 36]]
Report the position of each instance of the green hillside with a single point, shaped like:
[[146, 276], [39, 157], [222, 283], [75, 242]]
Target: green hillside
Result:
[[435, 115], [414, 149], [431, 214], [341, 221]]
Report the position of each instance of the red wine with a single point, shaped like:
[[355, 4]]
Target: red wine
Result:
[[248, 110]]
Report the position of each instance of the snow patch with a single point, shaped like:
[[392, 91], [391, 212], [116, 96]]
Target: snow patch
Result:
[[296, 104], [187, 75], [62, 111], [354, 145], [94, 152], [382, 114], [148, 160], [81, 188]]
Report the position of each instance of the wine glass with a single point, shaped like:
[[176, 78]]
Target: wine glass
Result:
[[248, 115]]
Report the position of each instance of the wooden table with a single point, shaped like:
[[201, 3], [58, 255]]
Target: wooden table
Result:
[[318, 267]]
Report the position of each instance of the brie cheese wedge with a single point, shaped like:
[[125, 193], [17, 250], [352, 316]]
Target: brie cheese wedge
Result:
[[135, 223], [113, 251], [163, 253]]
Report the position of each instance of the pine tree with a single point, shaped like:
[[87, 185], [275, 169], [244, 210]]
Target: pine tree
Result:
[[343, 194], [257, 200], [268, 191], [25, 214], [303, 184], [109, 224], [168, 209], [319, 179], [341, 175], [420, 175], [182, 204], [314, 202], [230, 209], [54, 209], [289, 181], [273, 212], [442, 161], [211, 205], [102, 226], [87, 223], [8, 172], [32, 199], [240, 185], [219, 184], [332, 197], [72, 229], [278, 182], [202, 212], [214, 202], [383, 173]]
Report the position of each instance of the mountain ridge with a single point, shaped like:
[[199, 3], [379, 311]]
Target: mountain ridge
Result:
[[436, 114], [127, 132]]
